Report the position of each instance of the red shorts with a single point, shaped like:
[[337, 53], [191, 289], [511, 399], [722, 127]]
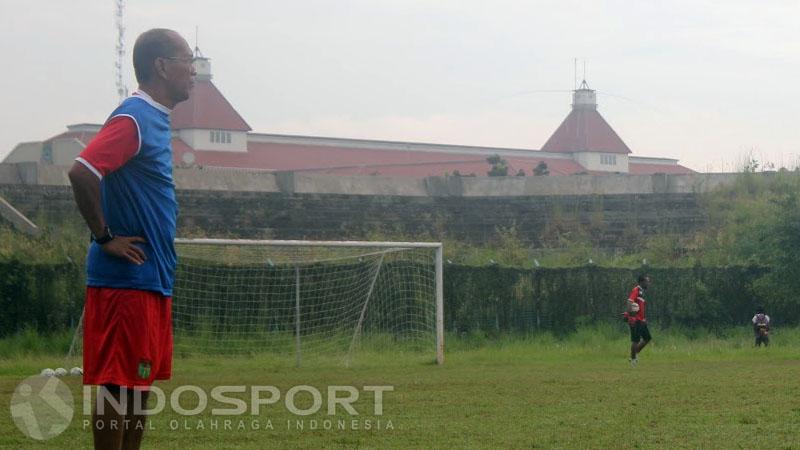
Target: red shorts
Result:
[[127, 337]]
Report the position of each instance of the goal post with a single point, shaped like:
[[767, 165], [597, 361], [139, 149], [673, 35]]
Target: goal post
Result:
[[326, 298], [305, 300]]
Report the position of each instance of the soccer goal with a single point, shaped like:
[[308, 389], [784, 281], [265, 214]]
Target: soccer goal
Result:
[[307, 300]]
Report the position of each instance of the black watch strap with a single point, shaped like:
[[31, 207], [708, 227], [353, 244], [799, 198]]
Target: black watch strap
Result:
[[105, 238]]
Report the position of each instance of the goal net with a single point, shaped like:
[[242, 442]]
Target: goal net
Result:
[[306, 300]]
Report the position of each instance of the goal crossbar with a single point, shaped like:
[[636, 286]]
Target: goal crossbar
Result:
[[300, 243]]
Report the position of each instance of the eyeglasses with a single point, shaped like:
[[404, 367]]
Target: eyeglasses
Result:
[[183, 59]]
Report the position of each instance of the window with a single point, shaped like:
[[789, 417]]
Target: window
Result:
[[220, 137], [47, 153], [608, 160]]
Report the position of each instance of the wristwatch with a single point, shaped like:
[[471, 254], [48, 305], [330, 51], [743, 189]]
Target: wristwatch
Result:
[[105, 238]]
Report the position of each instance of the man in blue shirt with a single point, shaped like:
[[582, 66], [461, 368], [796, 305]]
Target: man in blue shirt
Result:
[[124, 189]]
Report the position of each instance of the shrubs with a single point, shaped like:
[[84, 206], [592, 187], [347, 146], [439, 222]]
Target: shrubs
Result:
[[43, 297], [498, 299]]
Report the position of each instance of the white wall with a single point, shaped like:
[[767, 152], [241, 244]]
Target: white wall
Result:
[[25, 152], [200, 139], [65, 151], [592, 161]]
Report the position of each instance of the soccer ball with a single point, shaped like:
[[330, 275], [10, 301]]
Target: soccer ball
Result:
[[60, 372], [47, 373], [75, 371], [633, 307]]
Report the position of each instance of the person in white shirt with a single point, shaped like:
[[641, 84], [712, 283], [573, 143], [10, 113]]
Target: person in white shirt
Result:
[[761, 327]]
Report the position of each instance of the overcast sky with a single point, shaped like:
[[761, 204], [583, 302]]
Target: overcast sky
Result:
[[705, 82]]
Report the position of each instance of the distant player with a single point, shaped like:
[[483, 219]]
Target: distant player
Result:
[[637, 321], [124, 190], [761, 327]]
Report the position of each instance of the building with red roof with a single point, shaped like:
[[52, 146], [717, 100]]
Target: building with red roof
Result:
[[209, 132]]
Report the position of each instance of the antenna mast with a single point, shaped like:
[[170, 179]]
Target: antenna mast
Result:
[[122, 90], [584, 70], [575, 74]]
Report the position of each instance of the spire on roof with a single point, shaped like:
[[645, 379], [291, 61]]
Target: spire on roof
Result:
[[202, 65], [584, 129]]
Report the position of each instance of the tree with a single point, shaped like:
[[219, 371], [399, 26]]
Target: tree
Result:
[[750, 165], [521, 173], [499, 166], [541, 169]]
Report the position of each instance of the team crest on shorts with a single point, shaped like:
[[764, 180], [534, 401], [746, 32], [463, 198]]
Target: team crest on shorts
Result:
[[144, 369]]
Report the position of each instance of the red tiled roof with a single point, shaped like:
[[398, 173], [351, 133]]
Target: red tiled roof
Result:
[[649, 169], [479, 168], [344, 161], [274, 156], [207, 108], [350, 161], [583, 130]]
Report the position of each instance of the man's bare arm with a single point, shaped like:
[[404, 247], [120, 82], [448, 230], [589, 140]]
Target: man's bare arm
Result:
[[86, 188]]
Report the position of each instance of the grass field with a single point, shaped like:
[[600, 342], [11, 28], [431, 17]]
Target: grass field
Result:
[[697, 391]]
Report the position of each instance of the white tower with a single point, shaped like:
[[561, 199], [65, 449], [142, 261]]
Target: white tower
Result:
[[202, 65], [583, 97]]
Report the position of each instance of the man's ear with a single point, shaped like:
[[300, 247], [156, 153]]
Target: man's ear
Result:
[[160, 67]]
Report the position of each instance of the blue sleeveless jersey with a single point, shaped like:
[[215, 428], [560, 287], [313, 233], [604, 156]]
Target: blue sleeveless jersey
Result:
[[138, 199]]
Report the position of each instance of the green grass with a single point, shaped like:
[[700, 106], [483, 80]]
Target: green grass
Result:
[[691, 390]]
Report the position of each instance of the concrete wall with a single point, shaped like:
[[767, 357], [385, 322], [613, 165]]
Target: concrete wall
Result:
[[225, 180], [289, 182], [9, 174], [33, 173], [613, 220], [615, 210]]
